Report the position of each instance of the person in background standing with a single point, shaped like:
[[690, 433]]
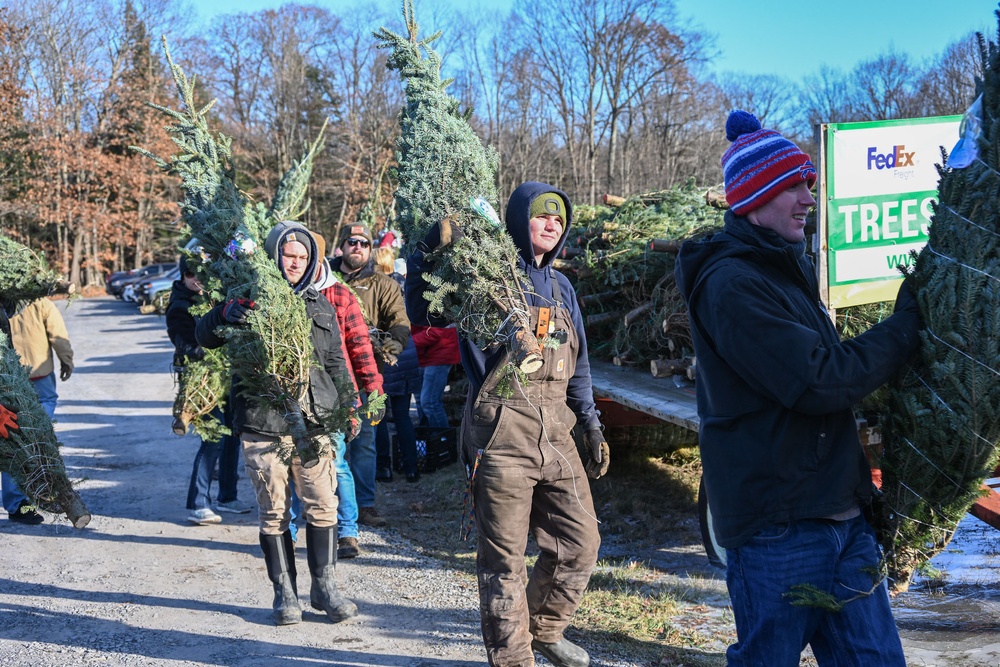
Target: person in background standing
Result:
[[225, 451], [38, 330], [364, 373], [381, 302]]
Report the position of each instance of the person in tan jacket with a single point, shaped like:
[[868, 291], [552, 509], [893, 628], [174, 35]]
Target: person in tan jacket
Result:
[[35, 331]]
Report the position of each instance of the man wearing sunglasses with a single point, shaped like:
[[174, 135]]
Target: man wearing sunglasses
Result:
[[382, 304]]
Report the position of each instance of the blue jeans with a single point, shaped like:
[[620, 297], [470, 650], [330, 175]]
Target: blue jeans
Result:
[[435, 379], [10, 493], [347, 506], [225, 452], [361, 455], [45, 387], [836, 557]]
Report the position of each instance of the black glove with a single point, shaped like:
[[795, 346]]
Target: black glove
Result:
[[377, 416], [906, 301], [393, 347], [598, 453], [236, 310]]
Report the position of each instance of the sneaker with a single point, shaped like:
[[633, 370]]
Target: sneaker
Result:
[[369, 516], [383, 474], [26, 514], [347, 547], [204, 516], [412, 477], [234, 507]]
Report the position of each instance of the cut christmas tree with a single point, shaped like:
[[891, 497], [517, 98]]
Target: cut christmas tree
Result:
[[943, 417], [273, 353], [447, 181]]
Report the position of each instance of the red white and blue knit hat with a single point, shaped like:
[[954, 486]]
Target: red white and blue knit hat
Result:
[[760, 164]]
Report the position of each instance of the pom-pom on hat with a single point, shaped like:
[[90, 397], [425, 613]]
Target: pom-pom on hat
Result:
[[760, 164]]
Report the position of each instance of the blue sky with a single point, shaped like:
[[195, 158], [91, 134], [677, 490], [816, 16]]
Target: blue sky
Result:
[[787, 39]]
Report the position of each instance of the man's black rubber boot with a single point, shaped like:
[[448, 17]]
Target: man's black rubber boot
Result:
[[321, 548], [279, 555], [562, 653]]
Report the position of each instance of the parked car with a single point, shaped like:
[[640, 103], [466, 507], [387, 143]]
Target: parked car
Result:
[[147, 290], [141, 287], [118, 281]]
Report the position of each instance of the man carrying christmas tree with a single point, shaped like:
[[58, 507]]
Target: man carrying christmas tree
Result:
[[382, 303], [525, 471], [264, 433], [784, 470]]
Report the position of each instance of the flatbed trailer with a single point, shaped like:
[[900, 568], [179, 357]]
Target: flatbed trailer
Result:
[[631, 396]]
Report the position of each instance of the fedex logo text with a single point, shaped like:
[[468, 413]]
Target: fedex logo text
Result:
[[897, 157]]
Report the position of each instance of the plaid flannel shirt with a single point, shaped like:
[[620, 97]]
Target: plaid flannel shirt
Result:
[[354, 335]]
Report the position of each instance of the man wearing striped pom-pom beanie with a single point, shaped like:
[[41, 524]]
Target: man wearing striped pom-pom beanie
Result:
[[784, 470]]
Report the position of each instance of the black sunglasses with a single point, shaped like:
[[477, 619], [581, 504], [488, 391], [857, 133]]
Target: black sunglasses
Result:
[[359, 242]]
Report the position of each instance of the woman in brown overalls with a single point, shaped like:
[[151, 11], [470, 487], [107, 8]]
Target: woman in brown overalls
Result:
[[526, 472]]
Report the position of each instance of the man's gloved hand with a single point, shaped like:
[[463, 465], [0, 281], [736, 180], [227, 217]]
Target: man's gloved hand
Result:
[[8, 422], [65, 370], [197, 353], [353, 429], [377, 416], [393, 346], [599, 454], [906, 300], [236, 310]]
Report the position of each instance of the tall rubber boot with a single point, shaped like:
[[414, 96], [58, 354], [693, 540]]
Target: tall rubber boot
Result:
[[279, 555], [321, 547]]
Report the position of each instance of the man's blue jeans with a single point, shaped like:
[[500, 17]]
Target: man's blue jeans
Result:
[[361, 455], [347, 503], [10, 493], [225, 452], [435, 379], [836, 557]]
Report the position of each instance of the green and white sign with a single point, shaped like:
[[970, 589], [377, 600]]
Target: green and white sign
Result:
[[880, 182]]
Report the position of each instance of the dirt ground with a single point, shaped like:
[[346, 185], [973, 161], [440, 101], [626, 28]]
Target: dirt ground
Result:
[[142, 586]]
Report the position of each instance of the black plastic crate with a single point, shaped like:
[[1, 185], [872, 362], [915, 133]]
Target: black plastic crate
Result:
[[436, 448]]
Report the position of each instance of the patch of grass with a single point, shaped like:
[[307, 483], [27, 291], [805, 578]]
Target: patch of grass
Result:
[[632, 610]]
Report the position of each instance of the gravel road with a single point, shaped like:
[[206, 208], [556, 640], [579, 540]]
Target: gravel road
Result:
[[142, 586]]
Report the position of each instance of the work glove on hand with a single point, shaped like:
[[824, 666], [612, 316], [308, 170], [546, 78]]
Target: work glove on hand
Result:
[[197, 353], [598, 453], [392, 346], [236, 310], [906, 300], [8, 422], [377, 416], [65, 370], [353, 430]]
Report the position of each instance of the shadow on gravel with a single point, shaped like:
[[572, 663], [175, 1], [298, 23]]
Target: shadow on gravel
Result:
[[107, 635], [155, 361]]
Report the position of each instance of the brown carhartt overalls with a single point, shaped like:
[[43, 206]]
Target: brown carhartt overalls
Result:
[[529, 476]]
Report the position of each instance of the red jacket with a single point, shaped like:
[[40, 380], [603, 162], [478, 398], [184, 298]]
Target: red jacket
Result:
[[436, 346], [354, 335]]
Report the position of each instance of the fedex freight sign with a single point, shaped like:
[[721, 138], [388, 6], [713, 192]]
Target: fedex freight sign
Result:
[[880, 182]]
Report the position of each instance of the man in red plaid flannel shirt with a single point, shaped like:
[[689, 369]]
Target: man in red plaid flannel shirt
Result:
[[364, 373]]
